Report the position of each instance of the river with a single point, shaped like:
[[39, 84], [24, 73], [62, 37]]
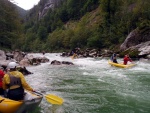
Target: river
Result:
[[92, 86]]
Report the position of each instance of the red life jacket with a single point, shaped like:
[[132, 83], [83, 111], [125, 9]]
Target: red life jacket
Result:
[[126, 59], [1, 77]]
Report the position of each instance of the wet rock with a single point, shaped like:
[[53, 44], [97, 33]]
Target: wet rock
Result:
[[67, 63], [18, 55], [141, 50], [2, 55], [55, 62], [25, 62], [136, 37], [31, 60], [23, 70], [137, 43], [9, 56]]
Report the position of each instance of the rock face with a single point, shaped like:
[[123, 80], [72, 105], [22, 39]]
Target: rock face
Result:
[[138, 40], [136, 37], [143, 48], [2, 55], [50, 4]]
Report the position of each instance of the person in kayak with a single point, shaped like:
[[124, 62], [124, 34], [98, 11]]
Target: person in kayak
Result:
[[126, 59], [114, 58], [1, 79], [15, 83]]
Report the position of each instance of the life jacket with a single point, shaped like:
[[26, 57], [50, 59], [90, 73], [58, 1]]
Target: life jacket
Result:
[[113, 57], [14, 81], [1, 78]]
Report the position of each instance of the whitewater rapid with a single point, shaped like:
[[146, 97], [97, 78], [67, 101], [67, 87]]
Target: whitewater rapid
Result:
[[91, 85]]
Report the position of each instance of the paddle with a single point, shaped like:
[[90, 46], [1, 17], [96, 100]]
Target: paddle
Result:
[[131, 60], [53, 99], [74, 56], [129, 57]]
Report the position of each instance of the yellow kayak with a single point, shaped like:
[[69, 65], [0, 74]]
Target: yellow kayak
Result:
[[30, 102], [120, 65], [9, 106]]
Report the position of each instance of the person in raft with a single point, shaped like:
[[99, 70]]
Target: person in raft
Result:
[[126, 59], [114, 58], [15, 83], [1, 79]]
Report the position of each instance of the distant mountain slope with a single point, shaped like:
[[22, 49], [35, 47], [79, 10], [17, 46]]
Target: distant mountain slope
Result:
[[10, 26], [83, 23], [22, 12]]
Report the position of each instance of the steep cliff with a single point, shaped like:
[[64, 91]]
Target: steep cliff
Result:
[[137, 43], [49, 4], [136, 37]]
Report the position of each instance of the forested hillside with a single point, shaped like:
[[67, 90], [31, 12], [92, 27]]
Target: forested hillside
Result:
[[81, 23], [86, 23], [10, 26]]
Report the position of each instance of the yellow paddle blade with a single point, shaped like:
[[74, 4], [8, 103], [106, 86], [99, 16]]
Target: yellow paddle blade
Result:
[[72, 57], [53, 99]]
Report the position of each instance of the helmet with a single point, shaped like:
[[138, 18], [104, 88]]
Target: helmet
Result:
[[1, 68], [12, 65]]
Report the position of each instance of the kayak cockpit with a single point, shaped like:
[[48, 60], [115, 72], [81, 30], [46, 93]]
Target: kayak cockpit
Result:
[[30, 102]]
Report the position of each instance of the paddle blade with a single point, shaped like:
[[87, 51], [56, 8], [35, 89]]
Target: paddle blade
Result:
[[72, 57], [53, 99]]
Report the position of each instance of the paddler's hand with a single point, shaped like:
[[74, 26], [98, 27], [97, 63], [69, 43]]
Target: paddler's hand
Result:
[[33, 90]]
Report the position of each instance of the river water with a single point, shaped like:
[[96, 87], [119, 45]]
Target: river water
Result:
[[92, 86]]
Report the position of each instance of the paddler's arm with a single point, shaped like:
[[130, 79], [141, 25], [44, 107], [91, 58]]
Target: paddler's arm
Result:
[[24, 83], [5, 81]]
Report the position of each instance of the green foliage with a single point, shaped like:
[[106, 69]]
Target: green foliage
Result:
[[53, 22], [55, 40], [95, 42], [10, 28], [73, 23], [67, 37], [131, 52], [118, 18], [42, 33]]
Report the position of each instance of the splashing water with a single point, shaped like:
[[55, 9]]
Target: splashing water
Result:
[[92, 86]]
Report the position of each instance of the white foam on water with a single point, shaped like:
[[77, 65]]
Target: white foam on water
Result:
[[90, 71]]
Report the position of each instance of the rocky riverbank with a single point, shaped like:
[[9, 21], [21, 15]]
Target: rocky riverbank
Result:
[[23, 59]]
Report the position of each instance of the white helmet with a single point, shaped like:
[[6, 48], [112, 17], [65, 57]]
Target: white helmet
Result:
[[12, 65]]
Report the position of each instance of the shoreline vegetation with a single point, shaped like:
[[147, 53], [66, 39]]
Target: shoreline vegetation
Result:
[[99, 24]]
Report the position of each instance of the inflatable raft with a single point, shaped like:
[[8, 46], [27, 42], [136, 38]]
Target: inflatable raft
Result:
[[30, 102], [120, 65]]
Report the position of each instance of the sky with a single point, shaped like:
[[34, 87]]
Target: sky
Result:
[[26, 4]]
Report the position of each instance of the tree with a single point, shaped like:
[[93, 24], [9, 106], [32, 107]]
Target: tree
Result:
[[42, 33], [10, 25]]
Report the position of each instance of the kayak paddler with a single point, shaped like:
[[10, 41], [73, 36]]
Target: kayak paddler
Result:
[[126, 59], [15, 83]]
